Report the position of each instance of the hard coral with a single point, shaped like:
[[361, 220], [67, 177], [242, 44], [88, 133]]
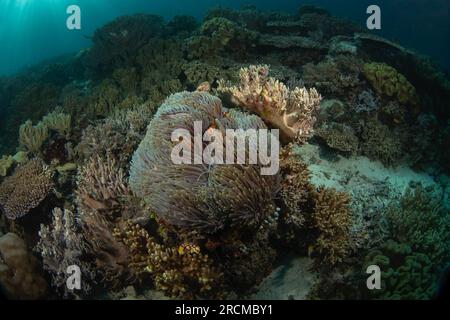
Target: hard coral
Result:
[[198, 197], [339, 137], [179, 271], [61, 245], [33, 137], [25, 189], [291, 111], [18, 273], [100, 185], [389, 82]]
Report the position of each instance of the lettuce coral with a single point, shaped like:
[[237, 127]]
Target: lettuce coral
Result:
[[25, 189], [387, 81], [291, 111], [417, 248]]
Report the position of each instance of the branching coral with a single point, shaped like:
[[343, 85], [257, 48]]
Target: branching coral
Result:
[[389, 82], [291, 111], [18, 271], [379, 143], [319, 219], [417, 249], [25, 189], [58, 121], [61, 245], [198, 197], [179, 271], [332, 219], [100, 185], [33, 137]]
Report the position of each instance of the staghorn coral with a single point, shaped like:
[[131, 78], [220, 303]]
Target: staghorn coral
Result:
[[197, 197], [291, 111], [389, 82], [33, 137], [339, 137], [58, 121], [61, 245], [179, 271], [100, 185], [18, 270], [25, 189]]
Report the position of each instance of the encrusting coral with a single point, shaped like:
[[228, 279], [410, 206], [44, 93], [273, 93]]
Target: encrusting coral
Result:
[[291, 111], [61, 245], [25, 189], [18, 270], [199, 197]]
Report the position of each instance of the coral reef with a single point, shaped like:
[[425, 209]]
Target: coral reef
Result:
[[18, 270], [25, 189], [291, 111]]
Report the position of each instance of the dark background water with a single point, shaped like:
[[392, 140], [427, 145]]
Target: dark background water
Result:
[[34, 30]]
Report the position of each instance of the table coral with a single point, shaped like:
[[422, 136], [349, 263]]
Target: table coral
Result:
[[18, 270], [25, 189], [291, 111]]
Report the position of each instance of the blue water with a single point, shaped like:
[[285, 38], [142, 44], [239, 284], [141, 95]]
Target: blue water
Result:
[[34, 30]]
